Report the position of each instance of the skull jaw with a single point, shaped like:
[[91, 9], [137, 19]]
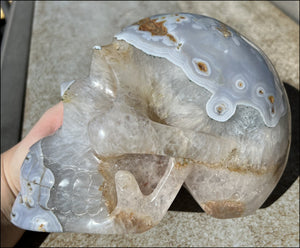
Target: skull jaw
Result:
[[77, 177]]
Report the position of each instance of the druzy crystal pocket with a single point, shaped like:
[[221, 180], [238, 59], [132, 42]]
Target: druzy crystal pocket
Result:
[[175, 99]]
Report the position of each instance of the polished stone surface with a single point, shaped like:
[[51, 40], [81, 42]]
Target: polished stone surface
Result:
[[63, 36]]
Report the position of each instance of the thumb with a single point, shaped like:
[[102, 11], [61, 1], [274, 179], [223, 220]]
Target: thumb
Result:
[[51, 120]]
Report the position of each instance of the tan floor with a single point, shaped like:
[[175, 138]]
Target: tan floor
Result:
[[61, 47]]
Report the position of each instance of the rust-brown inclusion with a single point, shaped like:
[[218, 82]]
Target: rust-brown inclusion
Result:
[[223, 29], [202, 66], [155, 28], [271, 99]]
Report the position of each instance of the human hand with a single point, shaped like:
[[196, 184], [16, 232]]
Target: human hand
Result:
[[11, 162]]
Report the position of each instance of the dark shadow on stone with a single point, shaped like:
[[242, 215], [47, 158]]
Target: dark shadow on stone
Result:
[[31, 239], [186, 203], [291, 172]]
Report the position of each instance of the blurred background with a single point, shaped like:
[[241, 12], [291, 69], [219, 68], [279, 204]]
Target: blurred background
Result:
[[290, 8]]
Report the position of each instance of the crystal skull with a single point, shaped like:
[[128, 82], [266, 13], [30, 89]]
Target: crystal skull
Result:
[[175, 99]]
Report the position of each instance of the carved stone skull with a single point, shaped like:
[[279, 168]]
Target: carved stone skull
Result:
[[176, 98]]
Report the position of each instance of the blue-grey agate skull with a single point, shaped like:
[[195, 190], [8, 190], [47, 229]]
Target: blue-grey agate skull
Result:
[[175, 98]]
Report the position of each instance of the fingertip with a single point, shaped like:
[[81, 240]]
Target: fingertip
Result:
[[56, 113], [48, 124]]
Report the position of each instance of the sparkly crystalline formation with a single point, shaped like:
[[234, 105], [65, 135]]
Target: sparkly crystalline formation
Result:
[[177, 98]]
